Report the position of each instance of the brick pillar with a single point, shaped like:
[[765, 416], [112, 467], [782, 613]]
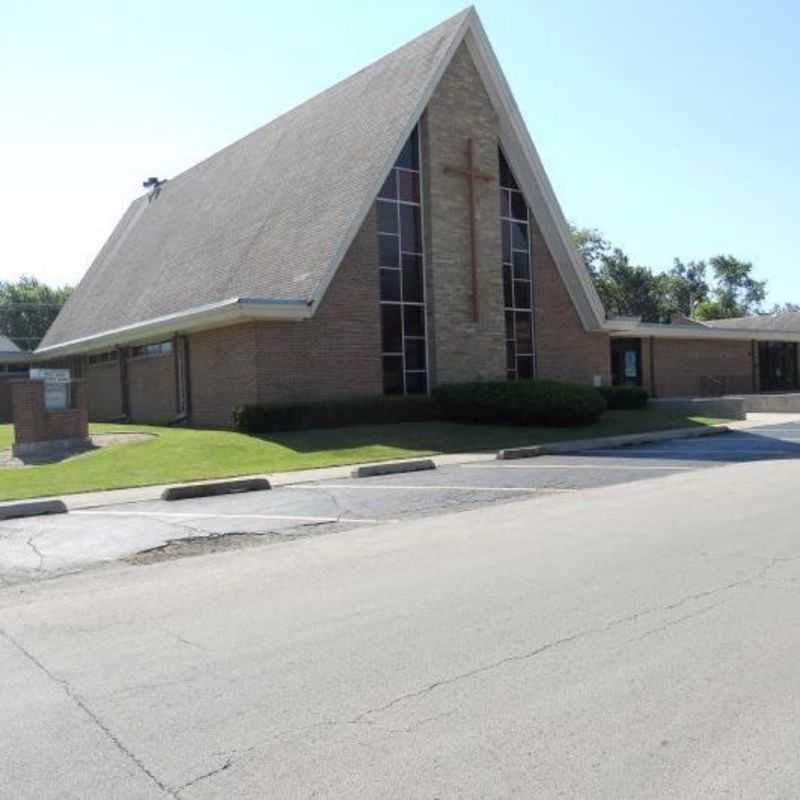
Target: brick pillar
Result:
[[28, 411], [80, 403], [37, 430]]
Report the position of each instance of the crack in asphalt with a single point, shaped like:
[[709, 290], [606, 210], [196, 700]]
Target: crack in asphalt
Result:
[[36, 550], [187, 642], [677, 621], [232, 756], [227, 765], [557, 643], [83, 706]]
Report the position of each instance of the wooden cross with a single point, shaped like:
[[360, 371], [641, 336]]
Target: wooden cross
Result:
[[472, 175]]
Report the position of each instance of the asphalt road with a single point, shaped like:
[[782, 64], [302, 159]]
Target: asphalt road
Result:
[[632, 640], [34, 548]]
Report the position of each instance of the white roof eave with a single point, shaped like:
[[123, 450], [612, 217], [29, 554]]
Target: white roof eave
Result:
[[647, 330], [226, 312]]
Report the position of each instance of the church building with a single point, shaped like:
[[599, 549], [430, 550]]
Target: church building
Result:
[[394, 233]]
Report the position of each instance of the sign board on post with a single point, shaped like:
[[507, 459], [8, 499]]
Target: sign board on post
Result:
[[56, 387], [50, 375]]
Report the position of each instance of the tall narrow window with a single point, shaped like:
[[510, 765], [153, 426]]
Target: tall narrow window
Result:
[[517, 283], [402, 280]]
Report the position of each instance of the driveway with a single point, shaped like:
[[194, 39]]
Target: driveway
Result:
[[154, 530]]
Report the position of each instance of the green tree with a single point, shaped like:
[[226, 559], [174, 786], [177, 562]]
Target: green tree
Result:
[[784, 308], [736, 293], [628, 290], [592, 246], [624, 289], [686, 287], [28, 308]]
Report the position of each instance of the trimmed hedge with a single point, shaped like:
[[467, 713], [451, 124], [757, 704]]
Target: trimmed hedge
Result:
[[526, 402], [270, 418], [624, 397]]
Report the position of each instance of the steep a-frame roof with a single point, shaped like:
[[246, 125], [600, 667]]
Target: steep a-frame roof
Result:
[[258, 229]]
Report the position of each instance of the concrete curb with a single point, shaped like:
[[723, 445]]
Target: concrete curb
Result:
[[190, 491], [626, 440], [392, 468], [32, 508]]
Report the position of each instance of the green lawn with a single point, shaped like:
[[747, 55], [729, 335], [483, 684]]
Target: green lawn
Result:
[[181, 454]]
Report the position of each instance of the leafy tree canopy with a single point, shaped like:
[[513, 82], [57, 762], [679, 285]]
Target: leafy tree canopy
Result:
[[28, 308], [628, 289]]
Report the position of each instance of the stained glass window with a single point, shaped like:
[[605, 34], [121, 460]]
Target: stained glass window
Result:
[[402, 279], [517, 279]]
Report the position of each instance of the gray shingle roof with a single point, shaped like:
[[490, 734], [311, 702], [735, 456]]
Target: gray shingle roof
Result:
[[7, 346], [788, 321], [266, 216]]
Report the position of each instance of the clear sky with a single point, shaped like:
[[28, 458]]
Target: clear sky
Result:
[[674, 127]]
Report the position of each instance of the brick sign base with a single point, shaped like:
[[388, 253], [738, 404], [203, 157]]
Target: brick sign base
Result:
[[38, 431]]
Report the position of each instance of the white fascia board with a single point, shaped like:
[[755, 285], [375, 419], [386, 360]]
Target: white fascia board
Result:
[[690, 332], [213, 315], [615, 325], [529, 171]]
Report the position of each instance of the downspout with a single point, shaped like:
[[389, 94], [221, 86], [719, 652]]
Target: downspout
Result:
[[653, 366], [754, 362], [187, 377], [176, 368], [180, 345], [125, 397]]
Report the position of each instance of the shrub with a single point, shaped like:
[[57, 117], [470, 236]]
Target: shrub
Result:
[[526, 402], [624, 397], [272, 418]]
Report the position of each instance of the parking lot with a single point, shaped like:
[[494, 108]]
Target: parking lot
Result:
[[154, 530]]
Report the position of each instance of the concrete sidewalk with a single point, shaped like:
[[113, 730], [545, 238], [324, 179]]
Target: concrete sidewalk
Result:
[[136, 494]]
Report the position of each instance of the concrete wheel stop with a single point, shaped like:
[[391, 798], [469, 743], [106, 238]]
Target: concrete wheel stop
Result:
[[32, 508], [392, 468], [190, 491], [609, 442]]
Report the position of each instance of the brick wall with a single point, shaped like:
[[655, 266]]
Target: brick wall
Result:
[[32, 421], [681, 365], [564, 350], [335, 354], [222, 372], [27, 403], [105, 393], [5, 401], [151, 386], [460, 348]]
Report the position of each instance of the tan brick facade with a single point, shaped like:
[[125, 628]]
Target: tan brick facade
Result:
[[334, 354], [695, 367], [105, 391], [151, 387], [564, 350], [222, 372], [460, 348], [34, 423]]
